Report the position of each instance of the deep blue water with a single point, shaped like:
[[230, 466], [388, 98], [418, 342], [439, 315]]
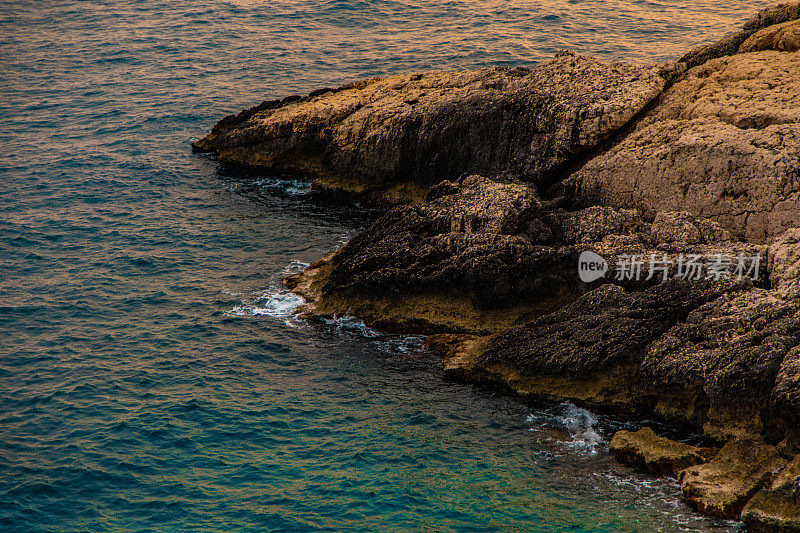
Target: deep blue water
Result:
[[151, 375]]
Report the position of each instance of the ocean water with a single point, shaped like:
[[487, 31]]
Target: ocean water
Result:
[[152, 375]]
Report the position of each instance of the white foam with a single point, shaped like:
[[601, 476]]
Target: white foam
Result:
[[579, 425], [404, 344], [277, 304], [350, 325], [288, 187], [294, 267]]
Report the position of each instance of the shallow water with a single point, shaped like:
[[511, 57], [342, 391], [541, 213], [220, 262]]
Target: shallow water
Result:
[[152, 377]]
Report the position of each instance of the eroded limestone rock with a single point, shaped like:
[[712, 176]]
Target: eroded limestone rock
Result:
[[719, 365], [481, 255], [784, 258], [378, 136], [776, 509], [589, 351], [474, 258], [722, 143], [659, 455], [784, 37], [725, 484]]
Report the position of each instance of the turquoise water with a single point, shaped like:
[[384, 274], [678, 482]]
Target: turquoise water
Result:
[[152, 377]]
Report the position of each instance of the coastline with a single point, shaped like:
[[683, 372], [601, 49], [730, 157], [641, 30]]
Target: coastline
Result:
[[697, 156]]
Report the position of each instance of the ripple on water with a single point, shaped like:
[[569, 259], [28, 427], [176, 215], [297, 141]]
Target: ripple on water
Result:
[[153, 376]]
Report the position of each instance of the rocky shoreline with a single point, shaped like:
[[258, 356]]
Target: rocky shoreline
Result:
[[498, 179]]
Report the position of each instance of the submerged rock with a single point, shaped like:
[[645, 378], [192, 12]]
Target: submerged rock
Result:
[[394, 137], [776, 508], [659, 455], [725, 484]]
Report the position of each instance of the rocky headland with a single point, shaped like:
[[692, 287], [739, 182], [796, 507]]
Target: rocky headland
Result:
[[496, 181]]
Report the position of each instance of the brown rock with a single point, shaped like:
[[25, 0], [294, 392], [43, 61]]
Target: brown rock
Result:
[[730, 44], [784, 37], [659, 455], [683, 227], [381, 134], [784, 263], [786, 396], [590, 350], [723, 143], [479, 256], [776, 509], [719, 366], [725, 484]]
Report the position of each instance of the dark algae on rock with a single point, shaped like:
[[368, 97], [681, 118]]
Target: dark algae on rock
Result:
[[497, 179]]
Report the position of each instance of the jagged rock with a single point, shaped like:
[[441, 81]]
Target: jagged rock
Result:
[[786, 397], [475, 257], [410, 131], [732, 43], [659, 455], [776, 509], [725, 484], [592, 225], [722, 143], [478, 256], [732, 366], [784, 37], [784, 259], [718, 367], [789, 447], [726, 360], [683, 227], [588, 351]]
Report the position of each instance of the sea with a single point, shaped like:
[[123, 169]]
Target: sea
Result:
[[153, 376]]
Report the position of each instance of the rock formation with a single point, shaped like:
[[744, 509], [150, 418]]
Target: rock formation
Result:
[[659, 455], [724, 485], [514, 173], [777, 506], [721, 143], [391, 138], [480, 256], [784, 37]]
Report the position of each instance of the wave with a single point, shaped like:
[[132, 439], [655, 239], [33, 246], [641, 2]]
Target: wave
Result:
[[579, 426], [350, 325], [284, 187], [273, 303]]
